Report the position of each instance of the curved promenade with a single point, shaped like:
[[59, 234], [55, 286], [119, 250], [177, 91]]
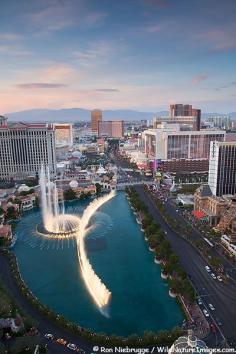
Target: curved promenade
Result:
[[45, 325]]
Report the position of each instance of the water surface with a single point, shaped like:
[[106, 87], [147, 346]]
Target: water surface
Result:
[[119, 255]]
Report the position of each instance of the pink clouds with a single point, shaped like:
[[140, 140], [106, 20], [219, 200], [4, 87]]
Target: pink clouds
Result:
[[39, 85], [199, 78]]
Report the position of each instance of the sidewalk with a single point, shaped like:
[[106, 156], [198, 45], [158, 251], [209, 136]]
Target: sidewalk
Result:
[[197, 321]]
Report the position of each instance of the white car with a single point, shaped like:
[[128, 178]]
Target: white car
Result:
[[199, 301], [219, 278], [207, 268], [206, 313], [213, 275], [72, 346], [211, 307], [49, 336]]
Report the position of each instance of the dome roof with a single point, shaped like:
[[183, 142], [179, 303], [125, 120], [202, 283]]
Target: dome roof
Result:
[[76, 154], [23, 188], [101, 170], [189, 342], [73, 184]]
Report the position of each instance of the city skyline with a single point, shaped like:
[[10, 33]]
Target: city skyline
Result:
[[141, 55]]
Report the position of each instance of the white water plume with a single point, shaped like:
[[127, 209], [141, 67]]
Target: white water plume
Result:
[[95, 286], [55, 221], [60, 225]]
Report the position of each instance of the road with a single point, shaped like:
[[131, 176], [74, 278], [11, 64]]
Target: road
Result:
[[44, 325], [195, 234], [212, 291]]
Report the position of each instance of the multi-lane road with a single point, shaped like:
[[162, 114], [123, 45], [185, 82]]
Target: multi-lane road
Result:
[[222, 296]]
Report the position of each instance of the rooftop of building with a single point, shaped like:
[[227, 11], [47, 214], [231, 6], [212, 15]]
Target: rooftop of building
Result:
[[5, 230], [205, 191], [175, 128], [25, 126]]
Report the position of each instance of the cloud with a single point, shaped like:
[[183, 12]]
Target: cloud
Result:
[[219, 38], [159, 3], [228, 85], [62, 15], [39, 85], [10, 36], [97, 52], [13, 50], [107, 90], [154, 29], [199, 78]]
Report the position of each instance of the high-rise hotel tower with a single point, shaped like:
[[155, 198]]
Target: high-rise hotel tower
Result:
[[222, 168], [96, 117], [24, 148]]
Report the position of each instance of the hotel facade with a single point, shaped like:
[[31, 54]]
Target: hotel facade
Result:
[[111, 129], [24, 148], [177, 150], [222, 168]]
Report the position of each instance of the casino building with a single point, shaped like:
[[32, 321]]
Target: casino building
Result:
[[24, 148]]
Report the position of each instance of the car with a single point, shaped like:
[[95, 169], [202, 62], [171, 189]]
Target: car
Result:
[[213, 327], [219, 278], [218, 321], [199, 301], [49, 336], [213, 275], [211, 307], [206, 313], [61, 341], [207, 268], [72, 346]]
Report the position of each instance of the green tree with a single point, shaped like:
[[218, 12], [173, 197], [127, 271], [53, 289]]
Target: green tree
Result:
[[11, 213], [98, 188], [69, 194]]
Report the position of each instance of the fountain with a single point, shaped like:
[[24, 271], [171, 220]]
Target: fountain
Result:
[[58, 224], [97, 289], [55, 222]]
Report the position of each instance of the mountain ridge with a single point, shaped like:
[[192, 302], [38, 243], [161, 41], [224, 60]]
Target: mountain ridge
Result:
[[80, 114]]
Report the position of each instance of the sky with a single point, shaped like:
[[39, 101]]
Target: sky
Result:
[[117, 54]]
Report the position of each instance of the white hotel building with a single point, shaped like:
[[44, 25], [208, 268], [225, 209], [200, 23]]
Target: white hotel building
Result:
[[179, 150], [24, 148]]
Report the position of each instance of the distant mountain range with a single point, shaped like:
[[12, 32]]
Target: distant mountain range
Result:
[[80, 114]]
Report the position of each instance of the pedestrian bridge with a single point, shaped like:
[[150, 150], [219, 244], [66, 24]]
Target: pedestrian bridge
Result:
[[121, 186]]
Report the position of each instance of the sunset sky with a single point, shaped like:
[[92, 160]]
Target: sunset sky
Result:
[[110, 54]]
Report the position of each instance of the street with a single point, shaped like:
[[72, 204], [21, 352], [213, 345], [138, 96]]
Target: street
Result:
[[212, 291]]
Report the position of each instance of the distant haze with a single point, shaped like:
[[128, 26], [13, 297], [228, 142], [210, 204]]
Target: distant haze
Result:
[[80, 115]]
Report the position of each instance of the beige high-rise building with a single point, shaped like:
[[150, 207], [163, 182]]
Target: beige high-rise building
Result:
[[111, 129], [96, 117], [24, 148]]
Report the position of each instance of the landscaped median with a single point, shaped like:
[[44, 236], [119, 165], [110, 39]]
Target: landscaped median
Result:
[[178, 281], [184, 231], [161, 338]]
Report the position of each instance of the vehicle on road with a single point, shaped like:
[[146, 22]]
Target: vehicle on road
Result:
[[213, 327], [199, 301], [61, 341], [206, 313], [213, 275], [49, 336], [211, 307], [72, 346], [218, 321], [207, 268], [219, 278]]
